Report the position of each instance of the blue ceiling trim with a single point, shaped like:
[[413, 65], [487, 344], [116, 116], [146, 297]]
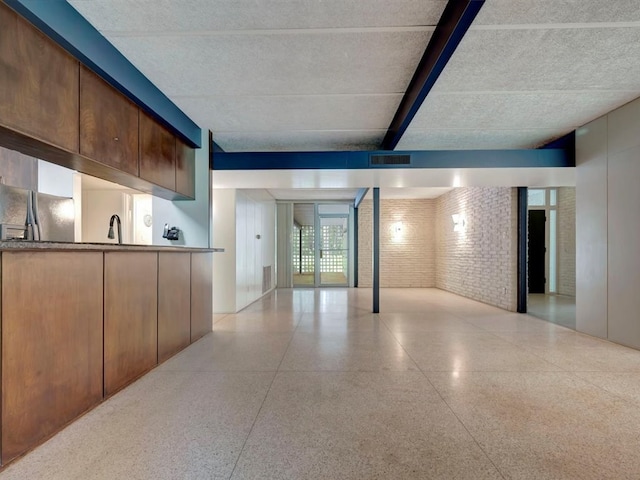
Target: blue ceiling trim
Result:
[[456, 19], [216, 148], [360, 196], [341, 160], [60, 21], [567, 142]]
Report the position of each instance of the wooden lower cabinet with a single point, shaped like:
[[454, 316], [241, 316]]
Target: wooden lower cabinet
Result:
[[201, 294], [51, 343], [174, 303], [130, 317]]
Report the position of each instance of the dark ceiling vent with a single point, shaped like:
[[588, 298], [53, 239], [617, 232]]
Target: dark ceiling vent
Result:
[[391, 160]]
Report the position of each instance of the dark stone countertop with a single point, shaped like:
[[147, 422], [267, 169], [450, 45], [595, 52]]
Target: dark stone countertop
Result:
[[13, 245]]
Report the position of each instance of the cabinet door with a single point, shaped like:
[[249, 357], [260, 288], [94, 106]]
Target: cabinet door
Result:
[[130, 317], [39, 94], [185, 169], [108, 124], [157, 153], [201, 294], [174, 303], [51, 343]]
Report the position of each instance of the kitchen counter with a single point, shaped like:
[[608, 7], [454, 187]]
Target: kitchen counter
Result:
[[81, 321], [66, 246]]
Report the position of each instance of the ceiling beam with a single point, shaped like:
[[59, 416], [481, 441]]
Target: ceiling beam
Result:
[[356, 160], [456, 19]]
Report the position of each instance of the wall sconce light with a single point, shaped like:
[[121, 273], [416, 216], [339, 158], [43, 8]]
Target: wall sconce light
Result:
[[397, 232], [459, 222]]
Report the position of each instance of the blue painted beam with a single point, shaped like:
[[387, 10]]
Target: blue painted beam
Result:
[[418, 159], [61, 22], [360, 196], [522, 249], [376, 250], [456, 19]]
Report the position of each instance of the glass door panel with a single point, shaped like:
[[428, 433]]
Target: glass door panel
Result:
[[303, 242], [333, 244]]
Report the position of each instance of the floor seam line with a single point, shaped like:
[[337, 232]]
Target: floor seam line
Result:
[[235, 465], [446, 403]]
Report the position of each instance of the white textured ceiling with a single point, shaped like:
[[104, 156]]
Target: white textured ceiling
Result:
[[305, 75], [275, 75], [313, 194], [528, 72]]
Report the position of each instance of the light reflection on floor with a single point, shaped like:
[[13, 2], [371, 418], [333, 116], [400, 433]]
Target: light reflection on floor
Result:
[[558, 309]]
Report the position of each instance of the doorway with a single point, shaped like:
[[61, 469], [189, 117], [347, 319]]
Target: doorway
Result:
[[333, 250], [320, 245], [537, 251], [551, 255]]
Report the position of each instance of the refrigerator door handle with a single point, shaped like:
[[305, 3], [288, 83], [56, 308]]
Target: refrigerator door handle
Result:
[[37, 231], [30, 220]]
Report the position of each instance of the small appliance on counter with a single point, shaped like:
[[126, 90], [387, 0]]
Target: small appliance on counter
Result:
[[29, 215]]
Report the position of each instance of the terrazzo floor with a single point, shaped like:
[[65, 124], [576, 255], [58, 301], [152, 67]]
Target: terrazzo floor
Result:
[[559, 309], [308, 384]]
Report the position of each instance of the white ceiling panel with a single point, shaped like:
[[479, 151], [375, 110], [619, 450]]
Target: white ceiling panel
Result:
[[410, 193], [308, 75], [298, 141], [475, 139], [323, 63], [562, 110], [313, 194], [566, 59], [211, 15], [505, 12], [291, 112]]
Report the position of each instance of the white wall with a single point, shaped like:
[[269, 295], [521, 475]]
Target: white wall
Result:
[[190, 216], [480, 261], [283, 255], [54, 179], [607, 230], [407, 257], [255, 217], [97, 208], [567, 241], [239, 217], [224, 263]]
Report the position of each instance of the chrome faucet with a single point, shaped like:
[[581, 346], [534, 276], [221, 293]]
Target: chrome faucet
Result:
[[110, 234]]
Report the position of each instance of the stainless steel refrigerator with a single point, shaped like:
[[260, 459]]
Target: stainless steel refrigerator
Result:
[[29, 215]]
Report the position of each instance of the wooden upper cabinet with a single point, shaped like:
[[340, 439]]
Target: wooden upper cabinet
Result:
[[185, 169], [108, 124], [157, 153], [39, 94]]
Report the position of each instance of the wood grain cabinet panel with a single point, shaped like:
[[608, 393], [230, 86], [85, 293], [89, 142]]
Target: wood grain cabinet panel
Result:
[[157, 153], [39, 94], [51, 343], [201, 294], [130, 317], [185, 169], [174, 303], [108, 124]]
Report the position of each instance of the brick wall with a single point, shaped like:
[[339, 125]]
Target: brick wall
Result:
[[567, 241], [407, 257], [480, 262]]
